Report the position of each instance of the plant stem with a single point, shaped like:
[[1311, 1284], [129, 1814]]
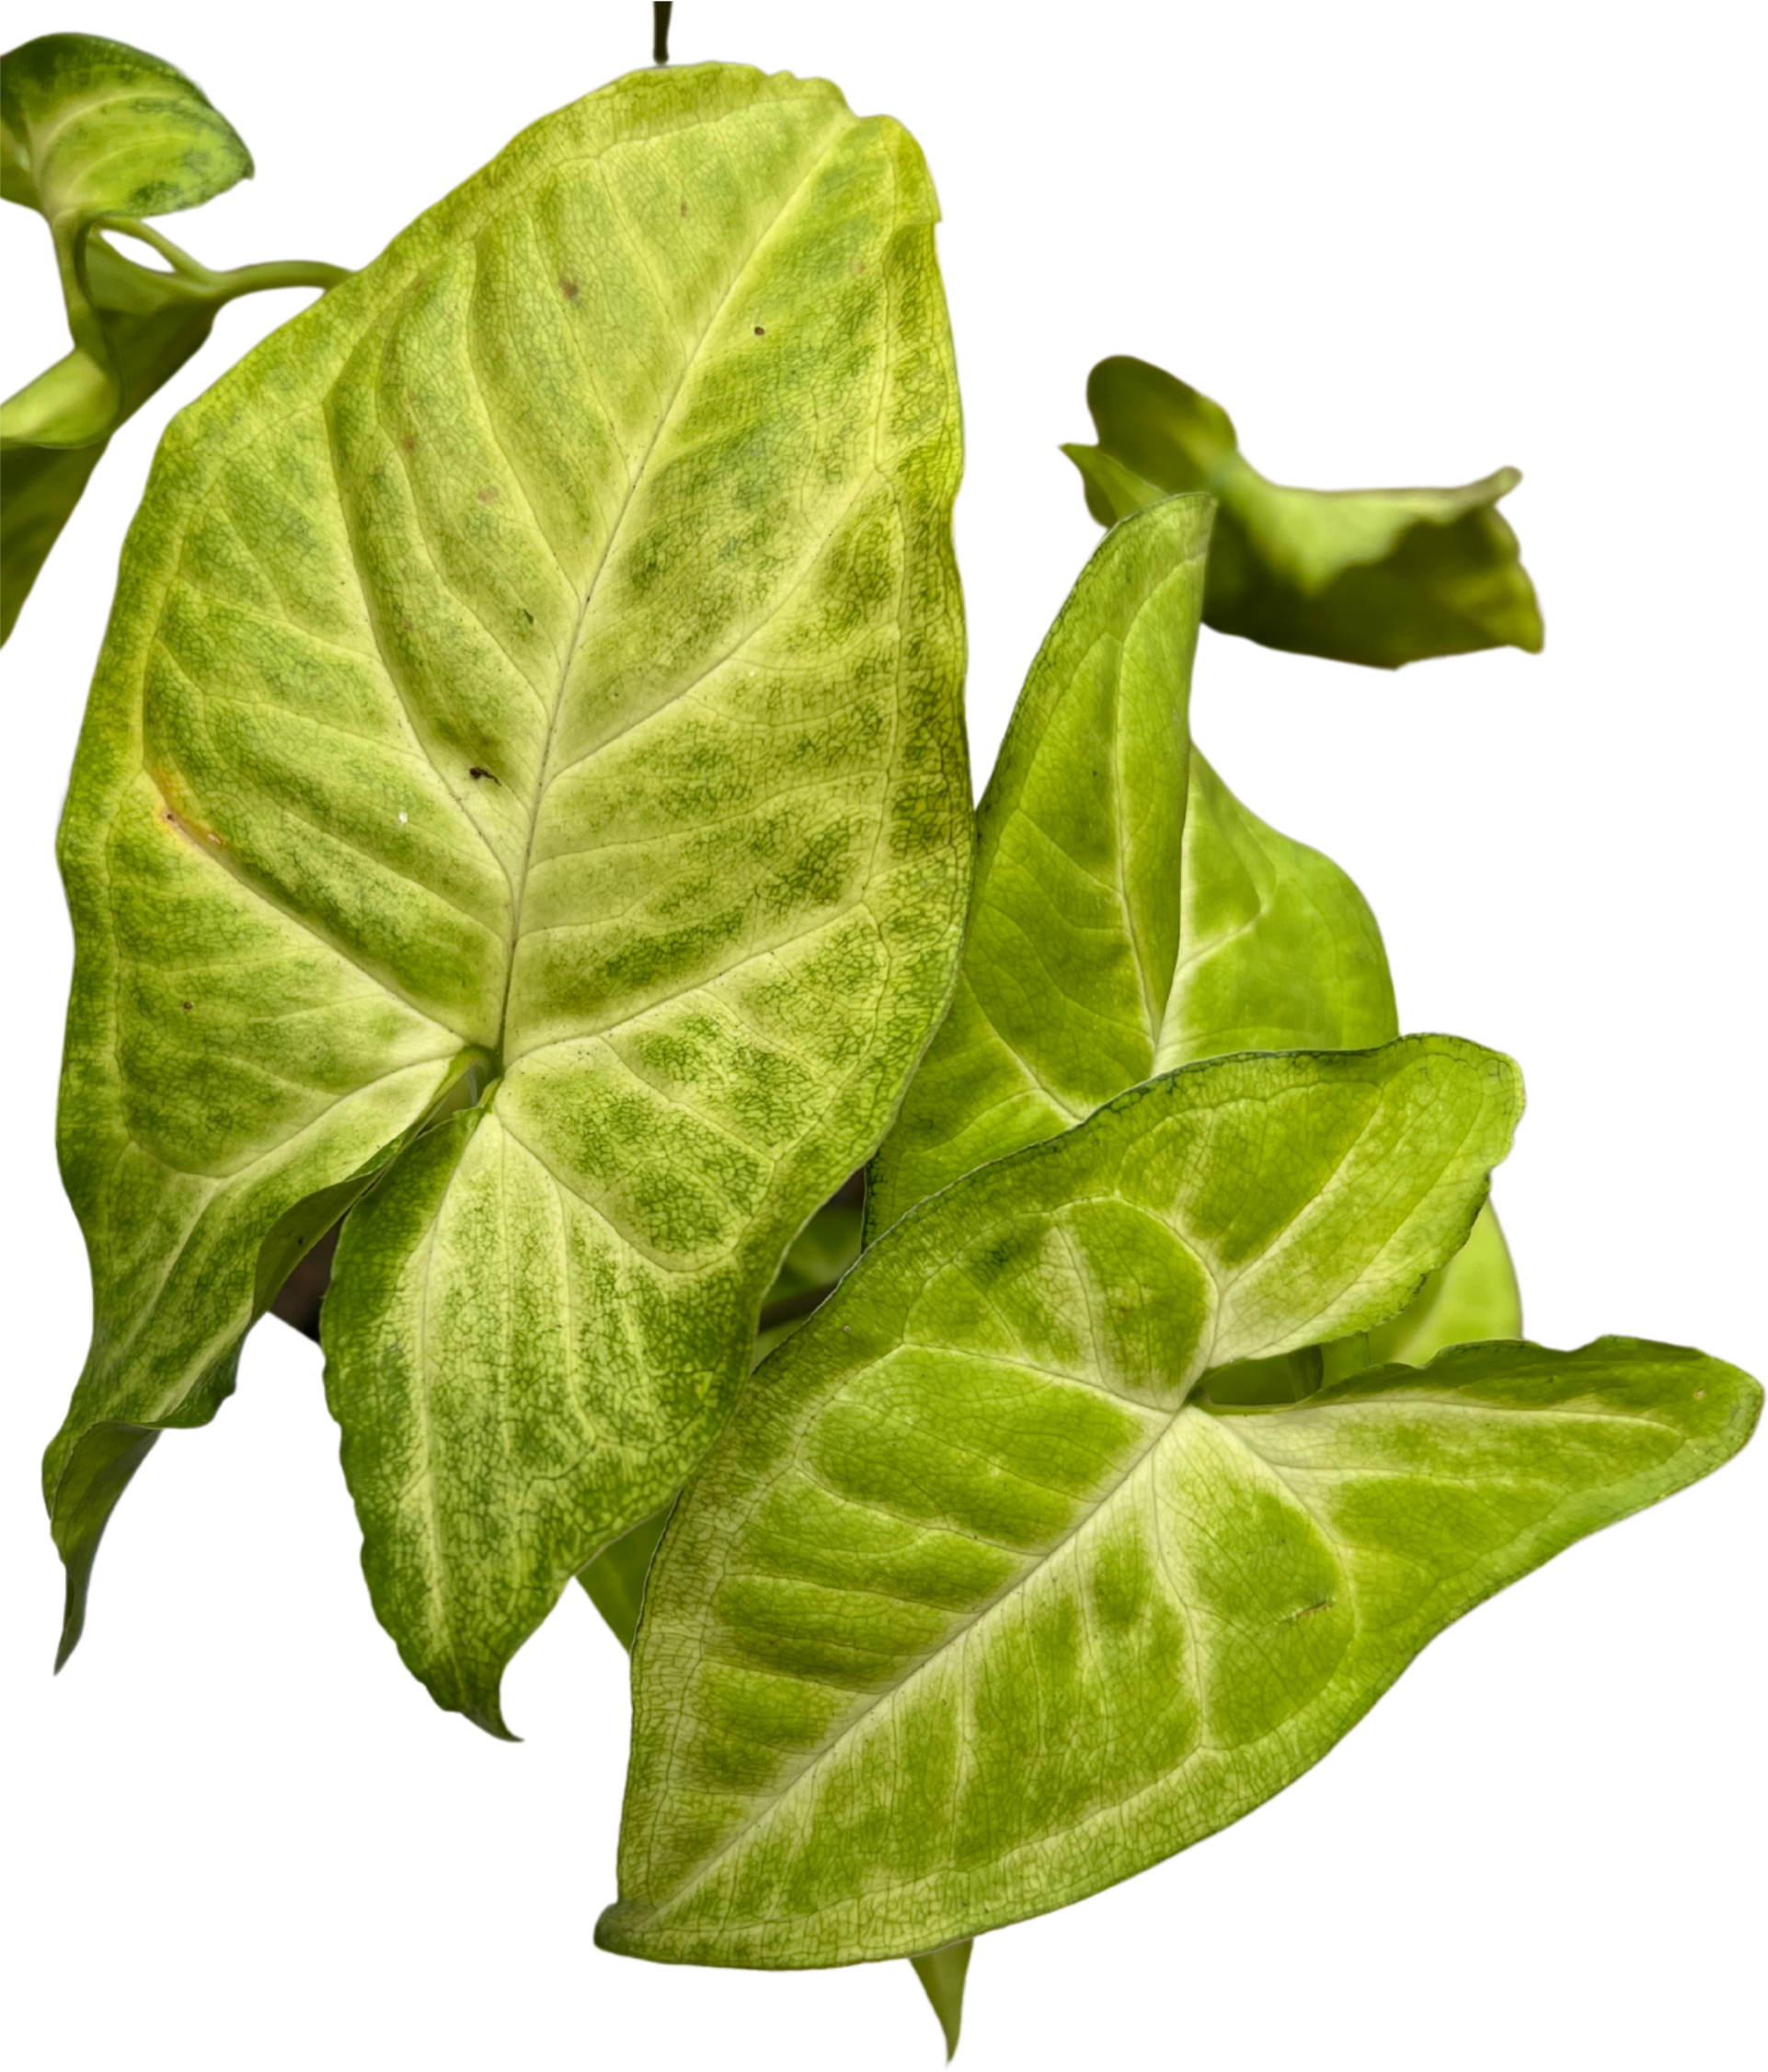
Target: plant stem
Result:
[[238, 281]]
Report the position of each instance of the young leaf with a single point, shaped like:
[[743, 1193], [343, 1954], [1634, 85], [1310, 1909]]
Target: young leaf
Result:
[[912, 1644], [1383, 576], [1128, 914], [92, 131], [549, 644], [91, 128]]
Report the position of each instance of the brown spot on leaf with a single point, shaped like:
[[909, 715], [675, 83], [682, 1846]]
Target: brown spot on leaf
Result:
[[410, 442], [490, 493], [859, 266], [477, 774], [186, 1005], [761, 330], [685, 208], [569, 288]]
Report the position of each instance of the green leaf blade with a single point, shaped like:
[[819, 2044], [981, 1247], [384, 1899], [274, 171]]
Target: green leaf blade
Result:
[[942, 1973], [548, 645], [1075, 917], [616, 1578], [889, 1631], [1203, 1644], [1473, 1297], [96, 128], [1378, 577], [1280, 949], [1128, 914]]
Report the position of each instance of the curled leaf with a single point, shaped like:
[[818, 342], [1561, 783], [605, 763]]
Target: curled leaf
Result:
[[1382, 577]]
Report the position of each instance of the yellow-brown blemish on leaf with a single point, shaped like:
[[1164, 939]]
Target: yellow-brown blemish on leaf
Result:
[[188, 826], [569, 288], [1309, 1612], [489, 495]]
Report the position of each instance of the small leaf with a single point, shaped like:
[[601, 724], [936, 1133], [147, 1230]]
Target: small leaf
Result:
[[90, 129], [1383, 576], [519, 651], [967, 1614], [93, 128]]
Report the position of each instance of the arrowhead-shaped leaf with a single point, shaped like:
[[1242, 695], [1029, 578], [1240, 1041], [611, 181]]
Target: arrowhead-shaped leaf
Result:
[[968, 1613], [972, 1615], [545, 653], [1383, 576]]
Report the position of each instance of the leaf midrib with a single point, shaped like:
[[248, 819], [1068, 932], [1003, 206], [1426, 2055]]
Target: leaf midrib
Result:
[[1223, 1283], [665, 419]]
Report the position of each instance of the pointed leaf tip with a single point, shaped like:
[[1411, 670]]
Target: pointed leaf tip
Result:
[[942, 1973]]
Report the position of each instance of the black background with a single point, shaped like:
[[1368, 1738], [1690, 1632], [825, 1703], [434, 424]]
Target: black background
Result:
[[1395, 262]]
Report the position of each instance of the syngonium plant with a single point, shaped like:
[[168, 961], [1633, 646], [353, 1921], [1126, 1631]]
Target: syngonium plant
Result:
[[522, 825]]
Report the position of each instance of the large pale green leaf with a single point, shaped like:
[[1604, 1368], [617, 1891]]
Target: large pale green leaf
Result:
[[1128, 914], [954, 1596], [970, 1615], [95, 132], [1383, 576], [549, 647]]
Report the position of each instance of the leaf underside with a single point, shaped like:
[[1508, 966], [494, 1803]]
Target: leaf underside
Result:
[[538, 666], [1379, 576]]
